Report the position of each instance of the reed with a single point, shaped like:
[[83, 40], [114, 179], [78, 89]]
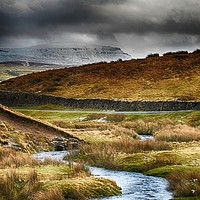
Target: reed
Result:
[[146, 127], [185, 183], [106, 154], [15, 187], [178, 133], [15, 160], [79, 170], [51, 194], [50, 161], [5, 152], [161, 160]]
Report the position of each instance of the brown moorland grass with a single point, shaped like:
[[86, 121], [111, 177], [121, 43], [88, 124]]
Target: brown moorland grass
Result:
[[5, 152], [22, 177], [155, 78], [26, 133], [51, 194], [106, 154], [147, 127], [185, 183], [94, 131], [178, 133], [18, 160], [13, 187]]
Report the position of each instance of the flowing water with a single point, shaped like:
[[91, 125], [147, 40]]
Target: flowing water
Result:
[[146, 137], [135, 186]]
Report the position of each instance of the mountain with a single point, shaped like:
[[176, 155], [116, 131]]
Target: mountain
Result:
[[61, 54], [169, 77]]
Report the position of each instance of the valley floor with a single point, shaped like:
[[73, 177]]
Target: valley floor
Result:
[[114, 142]]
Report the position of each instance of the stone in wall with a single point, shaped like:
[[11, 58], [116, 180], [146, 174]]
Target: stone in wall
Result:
[[32, 99]]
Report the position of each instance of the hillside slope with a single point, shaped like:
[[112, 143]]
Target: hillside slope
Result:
[[174, 76], [14, 69], [28, 134]]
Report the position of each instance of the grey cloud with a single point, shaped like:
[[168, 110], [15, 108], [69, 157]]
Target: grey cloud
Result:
[[103, 18]]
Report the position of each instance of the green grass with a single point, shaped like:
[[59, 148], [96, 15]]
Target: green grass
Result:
[[85, 188], [31, 179], [12, 71], [53, 107], [52, 116], [165, 170], [186, 117]]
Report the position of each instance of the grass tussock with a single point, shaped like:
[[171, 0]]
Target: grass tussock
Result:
[[161, 160], [100, 154], [79, 170], [4, 152], [185, 183], [17, 160], [106, 154], [50, 161], [15, 187], [86, 188], [146, 127], [94, 132], [178, 133], [51, 194], [141, 127]]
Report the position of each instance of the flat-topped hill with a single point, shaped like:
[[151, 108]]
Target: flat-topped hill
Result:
[[173, 76]]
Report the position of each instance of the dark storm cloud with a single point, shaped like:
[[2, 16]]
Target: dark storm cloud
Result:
[[103, 18], [70, 15]]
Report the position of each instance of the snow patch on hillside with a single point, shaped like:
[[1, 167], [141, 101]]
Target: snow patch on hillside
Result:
[[62, 55]]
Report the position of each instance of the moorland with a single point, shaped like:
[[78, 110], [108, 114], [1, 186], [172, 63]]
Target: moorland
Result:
[[110, 140], [168, 77]]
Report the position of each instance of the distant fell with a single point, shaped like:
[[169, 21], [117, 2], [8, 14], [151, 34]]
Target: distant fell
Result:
[[63, 54], [169, 77]]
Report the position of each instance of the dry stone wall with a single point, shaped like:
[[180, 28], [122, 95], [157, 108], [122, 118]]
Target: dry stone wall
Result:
[[33, 99]]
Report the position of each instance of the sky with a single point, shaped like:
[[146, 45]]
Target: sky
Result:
[[139, 27]]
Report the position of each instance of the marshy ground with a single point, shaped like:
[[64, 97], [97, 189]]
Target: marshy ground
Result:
[[114, 143]]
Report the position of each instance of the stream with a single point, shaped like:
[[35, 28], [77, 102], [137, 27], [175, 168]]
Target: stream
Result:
[[135, 186]]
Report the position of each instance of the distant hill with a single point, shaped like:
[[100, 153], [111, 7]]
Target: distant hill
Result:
[[63, 55], [173, 76], [14, 69]]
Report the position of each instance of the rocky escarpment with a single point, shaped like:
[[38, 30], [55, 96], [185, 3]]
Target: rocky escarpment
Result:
[[27, 134], [63, 55], [32, 99]]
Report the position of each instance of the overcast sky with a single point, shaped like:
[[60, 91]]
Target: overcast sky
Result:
[[139, 27]]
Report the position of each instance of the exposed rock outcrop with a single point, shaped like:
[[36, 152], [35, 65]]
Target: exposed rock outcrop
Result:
[[28, 134]]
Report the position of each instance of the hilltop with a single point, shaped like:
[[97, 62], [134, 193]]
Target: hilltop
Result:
[[63, 54], [172, 76]]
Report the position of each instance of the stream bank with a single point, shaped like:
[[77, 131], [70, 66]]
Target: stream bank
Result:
[[134, 185]]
